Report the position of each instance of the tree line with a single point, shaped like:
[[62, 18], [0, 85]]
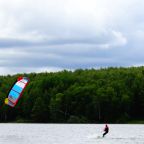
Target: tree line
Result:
[[103, 95]]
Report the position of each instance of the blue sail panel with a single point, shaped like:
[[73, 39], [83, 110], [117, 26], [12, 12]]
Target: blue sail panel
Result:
[[16, 91]]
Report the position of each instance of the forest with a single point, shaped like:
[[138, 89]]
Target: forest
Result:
[[106, 95]]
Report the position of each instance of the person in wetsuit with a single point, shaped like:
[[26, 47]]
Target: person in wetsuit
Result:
[[106, 130]]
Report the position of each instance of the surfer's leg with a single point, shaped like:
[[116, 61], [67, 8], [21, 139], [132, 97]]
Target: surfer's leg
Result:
[[104, 134]]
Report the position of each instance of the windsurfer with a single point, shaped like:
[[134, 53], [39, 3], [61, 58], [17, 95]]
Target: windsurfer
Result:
[[106, 130]]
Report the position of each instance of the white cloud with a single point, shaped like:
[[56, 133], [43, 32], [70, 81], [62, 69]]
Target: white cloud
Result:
[[120, 39], [15, 70]]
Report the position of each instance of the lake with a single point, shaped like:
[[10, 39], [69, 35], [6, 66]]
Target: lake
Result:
[[70, 134]]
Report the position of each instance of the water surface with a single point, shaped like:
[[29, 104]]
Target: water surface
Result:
[[70, 134]]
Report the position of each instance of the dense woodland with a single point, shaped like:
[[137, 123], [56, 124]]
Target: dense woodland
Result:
[[111, 95]]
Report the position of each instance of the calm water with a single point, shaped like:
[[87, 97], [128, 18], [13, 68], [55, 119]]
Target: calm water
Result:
[[70, 134]]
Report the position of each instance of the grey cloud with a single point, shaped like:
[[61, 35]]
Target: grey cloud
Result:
[[108, 38], [7, 43]]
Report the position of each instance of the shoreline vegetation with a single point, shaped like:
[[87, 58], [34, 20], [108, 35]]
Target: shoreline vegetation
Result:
[[106, 95], [20, 121]]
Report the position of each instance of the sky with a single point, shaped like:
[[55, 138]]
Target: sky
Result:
[[53, 35]]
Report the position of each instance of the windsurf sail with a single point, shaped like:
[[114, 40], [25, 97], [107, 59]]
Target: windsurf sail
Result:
[[16, 91]]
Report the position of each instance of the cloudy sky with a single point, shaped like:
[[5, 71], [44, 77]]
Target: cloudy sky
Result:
[[52, 35]]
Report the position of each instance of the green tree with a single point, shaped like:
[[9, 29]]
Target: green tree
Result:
[[39, 111]]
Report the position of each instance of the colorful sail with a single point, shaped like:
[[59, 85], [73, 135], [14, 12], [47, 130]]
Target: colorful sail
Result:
[[16, 91]]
